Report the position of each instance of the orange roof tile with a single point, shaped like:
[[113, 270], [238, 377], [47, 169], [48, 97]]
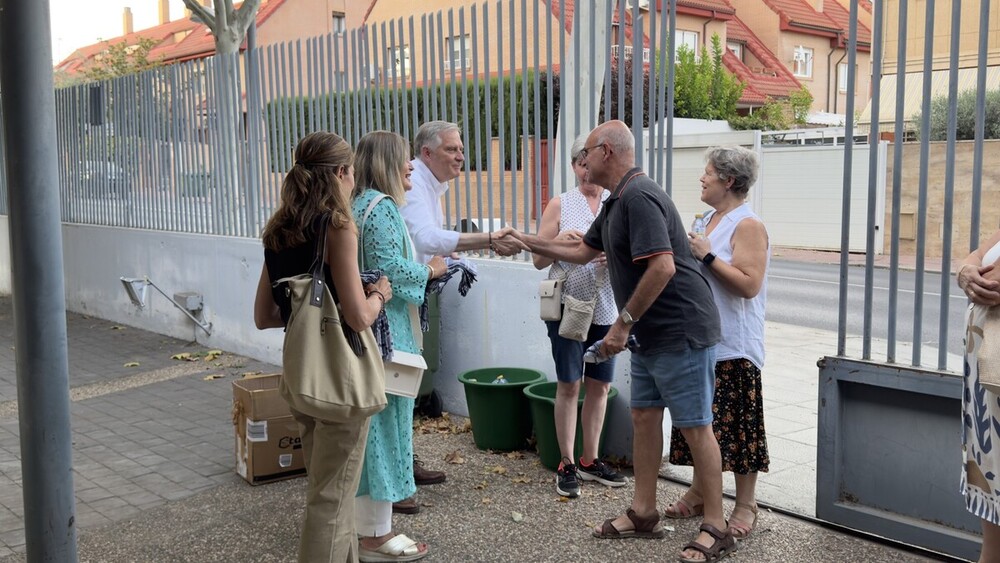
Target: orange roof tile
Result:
[[717, 6], [842, 17], [773, 81], [792, 12]]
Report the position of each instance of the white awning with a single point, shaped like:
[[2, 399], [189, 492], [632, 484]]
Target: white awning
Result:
[[913, 98]]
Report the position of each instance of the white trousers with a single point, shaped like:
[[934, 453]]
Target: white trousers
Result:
[[372, 517]]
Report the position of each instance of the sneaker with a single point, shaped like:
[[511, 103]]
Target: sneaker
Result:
[[602, 473], [567, 483]]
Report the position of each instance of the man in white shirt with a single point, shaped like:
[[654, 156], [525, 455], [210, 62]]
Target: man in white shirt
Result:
[[439, 157]]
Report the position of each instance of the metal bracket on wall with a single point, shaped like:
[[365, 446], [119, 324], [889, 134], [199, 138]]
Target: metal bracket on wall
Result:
[[136, 290]]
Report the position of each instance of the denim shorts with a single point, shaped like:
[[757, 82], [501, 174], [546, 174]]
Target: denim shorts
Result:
[[682, 381], [568, 355]]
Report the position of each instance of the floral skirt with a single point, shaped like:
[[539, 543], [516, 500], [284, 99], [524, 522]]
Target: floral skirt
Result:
[[738, 411], [980, 436]]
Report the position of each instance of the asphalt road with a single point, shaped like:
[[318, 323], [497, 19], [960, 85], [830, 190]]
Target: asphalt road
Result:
[[805, 294]]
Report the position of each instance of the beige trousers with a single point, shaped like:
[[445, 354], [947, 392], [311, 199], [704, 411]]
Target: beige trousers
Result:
[[333, 455]]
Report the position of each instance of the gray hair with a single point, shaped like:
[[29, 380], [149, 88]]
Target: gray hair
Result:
[[737, 163], [578, 144], [429, 135]]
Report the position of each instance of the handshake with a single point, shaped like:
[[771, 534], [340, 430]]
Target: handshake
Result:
[[506, 242]]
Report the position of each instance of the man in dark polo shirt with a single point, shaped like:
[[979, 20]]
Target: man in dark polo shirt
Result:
[[667, 304]]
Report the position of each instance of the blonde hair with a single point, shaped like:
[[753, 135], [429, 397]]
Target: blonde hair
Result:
[[312, 187], [378, 164]]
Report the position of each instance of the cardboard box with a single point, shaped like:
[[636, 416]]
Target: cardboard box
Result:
[[268, 446]]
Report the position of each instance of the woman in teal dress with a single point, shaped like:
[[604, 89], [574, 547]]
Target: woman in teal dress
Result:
[[382, 167]]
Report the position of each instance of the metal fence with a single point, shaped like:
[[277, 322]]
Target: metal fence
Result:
[[149, 150]]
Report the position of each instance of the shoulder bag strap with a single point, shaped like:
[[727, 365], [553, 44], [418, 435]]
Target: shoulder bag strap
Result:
[[316, 269]]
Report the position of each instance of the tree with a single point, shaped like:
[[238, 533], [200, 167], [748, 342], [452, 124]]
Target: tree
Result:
[[801, 101], [703, 89], [120, 59], [965, 126], [229, 26]]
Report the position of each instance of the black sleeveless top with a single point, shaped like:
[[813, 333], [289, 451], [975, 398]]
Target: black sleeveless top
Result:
[[292, 262]]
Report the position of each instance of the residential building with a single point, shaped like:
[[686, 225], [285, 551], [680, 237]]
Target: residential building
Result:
[[810, 37], [913, 59]]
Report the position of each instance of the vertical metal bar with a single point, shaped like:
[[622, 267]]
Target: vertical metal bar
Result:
[[949, 185], [309, 95], [337, 86], [550, 145], [873, 150], [433, 85], [465, 112], [897, 179], [430, 81], [845, 225], [977, 157], [537, 161], [661, 65], [651, 97], [619, 61], [300, 92], [501, 110], [413, 115], [254, 116], [669, 113], [454, 111], [485, 131], [526, 182], [925, 127], [512, 80], [594, 111], [377, 83], [402, 50], [37, 281], [607, 57], [637, 91], [426, 61]]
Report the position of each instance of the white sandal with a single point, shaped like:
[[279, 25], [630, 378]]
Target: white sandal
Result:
[[399, 548]]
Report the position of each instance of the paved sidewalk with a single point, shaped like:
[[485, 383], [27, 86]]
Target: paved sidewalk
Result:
[[154, 479]]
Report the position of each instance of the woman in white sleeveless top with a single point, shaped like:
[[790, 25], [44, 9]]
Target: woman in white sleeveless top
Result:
[[979, 277], [735, 254], [569, 216]]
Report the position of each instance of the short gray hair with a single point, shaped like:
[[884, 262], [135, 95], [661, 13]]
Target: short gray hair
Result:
[[578, 144], [429, 135], [738, 163]]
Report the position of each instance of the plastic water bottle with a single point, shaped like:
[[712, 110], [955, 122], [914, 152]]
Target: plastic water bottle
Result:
[[500, 380], [593, 354], [698, 226]]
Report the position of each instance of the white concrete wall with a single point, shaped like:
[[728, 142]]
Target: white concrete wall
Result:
[[497, 324]]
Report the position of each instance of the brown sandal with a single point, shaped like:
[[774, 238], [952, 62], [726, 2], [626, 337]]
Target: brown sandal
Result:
[[723, 545], [739, 528], [642, 528]]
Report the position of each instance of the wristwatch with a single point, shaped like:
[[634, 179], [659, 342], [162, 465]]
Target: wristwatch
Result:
[[708, 259], [627, 318]]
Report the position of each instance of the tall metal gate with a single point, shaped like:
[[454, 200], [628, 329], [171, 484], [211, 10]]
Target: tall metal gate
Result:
[[889, 447]]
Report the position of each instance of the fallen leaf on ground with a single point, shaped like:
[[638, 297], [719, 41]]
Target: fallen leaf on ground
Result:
[[562, 499], [250, 373], [482, 485], [522, 478], [427, 503], [212, 376], [212, 354], [117, 327], [185, 356], [516, 516], [499, 470], [131, 364], [455, 458], [487, 500], [514, 455]]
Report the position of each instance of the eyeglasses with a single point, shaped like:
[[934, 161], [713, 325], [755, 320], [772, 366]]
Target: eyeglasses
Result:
[[586, 150]]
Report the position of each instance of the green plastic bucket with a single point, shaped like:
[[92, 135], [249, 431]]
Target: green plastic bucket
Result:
[[500, 415], [542, 398]]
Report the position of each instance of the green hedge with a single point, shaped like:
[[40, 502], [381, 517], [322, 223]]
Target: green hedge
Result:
[[289, 119]]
